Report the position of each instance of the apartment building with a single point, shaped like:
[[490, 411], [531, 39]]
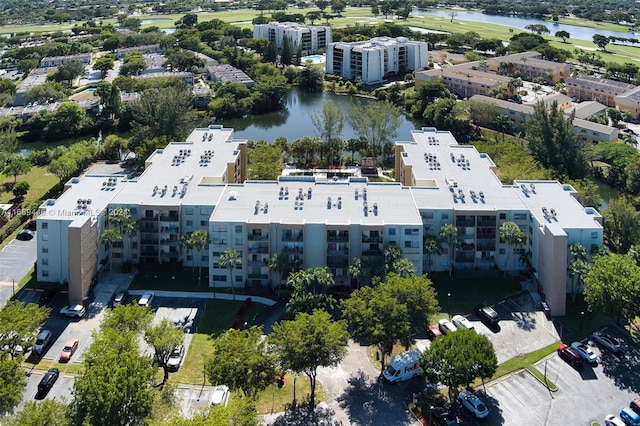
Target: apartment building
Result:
[[530, 65], [587, 131], [593, 88], [464, 81], [375, 59], [144, 49], [630, 102], [308, 39], [226, 73], [201, 184], [56, 61]]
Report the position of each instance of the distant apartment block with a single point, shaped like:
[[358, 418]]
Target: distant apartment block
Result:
[[464, 81], [148, 48], [56, 61], [530, 65], [586, 130], [630, 102], [308, 39], [36, 77], [226, 73], [27, 111], [187, 77], [375, 59], [593, 88]]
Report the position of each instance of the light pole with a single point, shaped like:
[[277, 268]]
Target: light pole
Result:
[[449, 304], [581, 322]]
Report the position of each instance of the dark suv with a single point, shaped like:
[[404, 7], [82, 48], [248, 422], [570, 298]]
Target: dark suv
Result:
[[487, 314], [48, 380], [47, 296]]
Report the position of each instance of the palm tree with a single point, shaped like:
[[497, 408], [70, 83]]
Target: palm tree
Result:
[[108, 237], [199, 240], [513, 85], [322, 277], [450, 235], [185, 242], [279, 263], [229, 259], [122, 220], [355, 270], [578, 266], [502, 122], [510, 234], [431, 247]]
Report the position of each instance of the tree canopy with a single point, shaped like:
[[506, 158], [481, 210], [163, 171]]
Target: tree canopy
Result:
[[375, 122], [20, 324]]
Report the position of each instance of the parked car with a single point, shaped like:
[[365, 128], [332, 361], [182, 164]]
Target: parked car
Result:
[[607, 341], [462, 322], [569, 355], [146, 298], [444, 417], [446, 326], [73, 311], [69, 349], [42, 342], [630, 417], [24, 235], [612, 420], [487, 314], [433, 332], [220, 396], [175, 359], [585, 352], [50, 377], [47, 296], [472, 403], [635, 405], [120, 297]]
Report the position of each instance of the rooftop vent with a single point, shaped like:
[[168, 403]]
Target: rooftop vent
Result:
[[309, 193], [329, 203], [532, 187], [481, 195]]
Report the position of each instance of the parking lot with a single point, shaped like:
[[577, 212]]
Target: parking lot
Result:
[[61, 389], [583, 396], [15, 261]]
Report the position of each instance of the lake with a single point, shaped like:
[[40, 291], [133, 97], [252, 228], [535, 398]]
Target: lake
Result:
[[577, 33], [294, 122]]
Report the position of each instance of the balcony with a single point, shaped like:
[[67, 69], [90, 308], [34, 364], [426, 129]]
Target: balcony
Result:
[[292, 250], [258, 250], [258, 276], [372, 252], [372, 238], [292, 237], [256, 236], [169, 218]]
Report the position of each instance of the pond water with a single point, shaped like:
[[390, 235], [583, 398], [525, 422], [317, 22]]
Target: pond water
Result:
[[294, 122], [577, 33], [153, 21]]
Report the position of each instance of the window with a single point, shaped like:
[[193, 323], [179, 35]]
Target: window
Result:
[[45, 249], [189, 223], [45, 225], [238, 229], [503, 216], [392, 231], [204, 211], [411, 244], [203, 222], [189, 257], [205, 258], [238, 278], [219, 278], [428, 215], [135, 245], [411, 231], [188, 211], [45, 273], [117, 255], [45, 260], [239, 241], [45, 237], [134, 211], [502, 251], [594, 235], [445, 216]]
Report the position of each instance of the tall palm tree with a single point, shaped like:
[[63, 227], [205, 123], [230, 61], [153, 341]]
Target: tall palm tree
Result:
[[431, 247], [199, 240], [185, 242], [450, 235], [578, 266], [279, 263], [322, 277], [510, 234], [229, 259], [108, 237], [355, 270], [126, 225]]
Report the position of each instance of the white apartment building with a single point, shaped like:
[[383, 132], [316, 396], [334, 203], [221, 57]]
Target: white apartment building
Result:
[[309, 39], [201, 184], [375, 59]]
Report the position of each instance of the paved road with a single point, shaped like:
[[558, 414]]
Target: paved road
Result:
[[15, 261]]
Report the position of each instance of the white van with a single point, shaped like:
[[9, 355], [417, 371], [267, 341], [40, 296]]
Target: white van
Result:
[[403, 367], [42, 342]]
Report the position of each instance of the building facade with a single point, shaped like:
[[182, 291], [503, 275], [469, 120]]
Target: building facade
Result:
[[307, 39], [375, 59], [56, 61], [201, 184]]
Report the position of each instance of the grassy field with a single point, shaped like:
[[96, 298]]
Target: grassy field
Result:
[[40, 180]]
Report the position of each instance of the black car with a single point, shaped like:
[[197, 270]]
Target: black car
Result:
[[487, 314], [48, 380], [444, 417], [24, 235], [47, 296]]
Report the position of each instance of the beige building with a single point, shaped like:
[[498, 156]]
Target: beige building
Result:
[[531, 66], [592, 88], [630, 102]]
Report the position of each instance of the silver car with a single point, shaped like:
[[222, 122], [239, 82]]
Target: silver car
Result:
[[175, 359]]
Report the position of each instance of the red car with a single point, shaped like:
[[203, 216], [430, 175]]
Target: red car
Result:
[[635, 405], [69, 349], [568, 354], [433, 332]]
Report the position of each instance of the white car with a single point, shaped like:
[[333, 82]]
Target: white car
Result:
[[462, 322], [74, 311], [175, 359], [220, 396], [608, 342], [612, 420], [472, 403], [585, 352], [446, 326], [146, 298]]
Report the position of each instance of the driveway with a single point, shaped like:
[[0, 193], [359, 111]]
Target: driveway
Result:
[[15, 261], [583, 396]]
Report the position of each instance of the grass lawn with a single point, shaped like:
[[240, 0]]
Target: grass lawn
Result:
[[580, 322], [40, 182], [276, 400], [44, 365]]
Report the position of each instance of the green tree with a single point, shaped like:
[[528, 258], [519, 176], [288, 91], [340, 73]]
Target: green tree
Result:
[[313, 16], [431, 248], [163, 112], [20, 189], [8, 141], [49, 91], [512, 236], [374, 316], [67, 120], [328, 124], [129, 318], [183, 60], [104, 63], [611, 286], [120, 218], [355, 270], [16, 165], [199, 240], [20, 324], [308, 342], [114, 148], [553, 143], [12, 381], [578, 267], [620, 225], [163, 338], [49, 412], [305, 297], [311, 79], [537, 29], [450, 236], [286, 54], [375, 122], [68, 71], [279, 263], [63, 167], [265, 161], [229, 260], [241, 360], [457, 359], [601, 41]]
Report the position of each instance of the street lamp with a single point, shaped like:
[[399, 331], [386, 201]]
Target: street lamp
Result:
[[581, 322], [449, 304]]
